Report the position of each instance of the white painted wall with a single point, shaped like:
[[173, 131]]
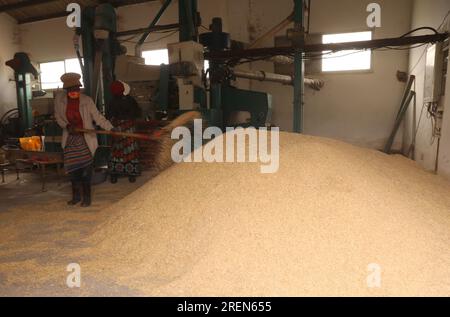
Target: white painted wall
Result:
[[8, 47], [47, 41], [428, 13], [357, 108]]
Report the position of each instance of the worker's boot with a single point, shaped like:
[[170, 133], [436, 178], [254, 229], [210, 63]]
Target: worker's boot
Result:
[[114, 179], [76, 194], [86, 194], [86, 178]]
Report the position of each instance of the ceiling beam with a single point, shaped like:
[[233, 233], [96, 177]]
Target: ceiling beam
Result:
[[116, 4], [121, 3], [22, 5]]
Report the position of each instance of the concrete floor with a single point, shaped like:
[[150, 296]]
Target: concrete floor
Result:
[[40, 228]]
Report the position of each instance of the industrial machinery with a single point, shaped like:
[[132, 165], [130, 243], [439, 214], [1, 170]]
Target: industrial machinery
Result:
[[227, 100], [166, 91], [184, 84], [23, 70]]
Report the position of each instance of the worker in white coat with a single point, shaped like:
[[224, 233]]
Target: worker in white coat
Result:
[[74, 110]]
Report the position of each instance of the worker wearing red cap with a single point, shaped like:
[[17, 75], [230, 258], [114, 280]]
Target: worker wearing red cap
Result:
[[74, 110], [123, 111]]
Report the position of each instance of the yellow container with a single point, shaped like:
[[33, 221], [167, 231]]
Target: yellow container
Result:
[[33, 143]]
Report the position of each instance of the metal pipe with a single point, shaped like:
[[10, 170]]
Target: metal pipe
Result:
[[299, 69], [408, 87], [315, 84], [263, 76], [398, 121], [138, 48], [308, 27], [188, 20], [438, 153], [284, 60]]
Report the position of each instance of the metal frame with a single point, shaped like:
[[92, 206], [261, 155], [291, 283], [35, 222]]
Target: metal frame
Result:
[[30, 3], [299, 67], [159, 14], [187, 12]]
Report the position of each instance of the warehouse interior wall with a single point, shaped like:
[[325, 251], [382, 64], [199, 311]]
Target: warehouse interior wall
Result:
[[426, 149], [359, 108], [9, 44]]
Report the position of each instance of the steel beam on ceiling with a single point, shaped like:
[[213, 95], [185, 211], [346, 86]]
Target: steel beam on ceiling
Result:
[[60, 14], [22, 5]]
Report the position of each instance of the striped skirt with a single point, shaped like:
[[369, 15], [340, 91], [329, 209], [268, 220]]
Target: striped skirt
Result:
[[76, 153]]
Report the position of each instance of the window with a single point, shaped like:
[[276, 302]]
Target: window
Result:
[[156, 57], [350, 60], [52, 72]]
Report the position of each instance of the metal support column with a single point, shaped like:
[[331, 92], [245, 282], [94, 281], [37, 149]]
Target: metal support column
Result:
[[299, 66], [87, 36], [155, 21], [23, 88], [188, 20]]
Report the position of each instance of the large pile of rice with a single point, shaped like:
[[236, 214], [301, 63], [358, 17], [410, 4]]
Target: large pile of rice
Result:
[[313, 228]]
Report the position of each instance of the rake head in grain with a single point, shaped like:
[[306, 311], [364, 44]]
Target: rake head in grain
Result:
[[163, 148]]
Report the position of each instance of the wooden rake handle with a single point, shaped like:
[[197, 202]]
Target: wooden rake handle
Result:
[[121, 134]]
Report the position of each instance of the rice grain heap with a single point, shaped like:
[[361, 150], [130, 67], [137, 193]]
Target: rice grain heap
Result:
[[314, 228]]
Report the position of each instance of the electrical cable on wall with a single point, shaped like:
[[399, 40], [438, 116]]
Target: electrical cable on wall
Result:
[[433, 113], [425, 50]]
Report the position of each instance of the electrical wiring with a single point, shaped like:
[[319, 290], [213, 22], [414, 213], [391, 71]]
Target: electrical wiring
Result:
[[419, 60], [163, 37], [152, 41], [431, 115], [389, 48], [420, 29], [323, 55], [425, 50], [129, 39], [431, 111], [9, 114], [444, 20], [306, 57]]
